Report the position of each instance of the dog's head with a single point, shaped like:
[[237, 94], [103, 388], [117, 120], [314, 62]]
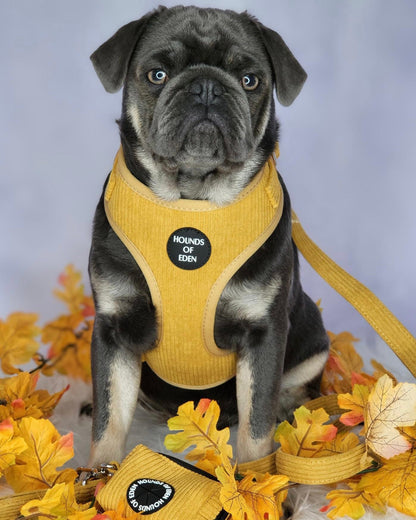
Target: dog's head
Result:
[[198, 93]]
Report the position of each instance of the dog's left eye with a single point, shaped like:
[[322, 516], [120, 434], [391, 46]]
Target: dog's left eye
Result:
[[157, 76], [250, 82]]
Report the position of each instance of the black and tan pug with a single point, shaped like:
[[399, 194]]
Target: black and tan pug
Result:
[[198, 122]]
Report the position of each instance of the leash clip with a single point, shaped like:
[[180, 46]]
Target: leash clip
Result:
[[102, 471]]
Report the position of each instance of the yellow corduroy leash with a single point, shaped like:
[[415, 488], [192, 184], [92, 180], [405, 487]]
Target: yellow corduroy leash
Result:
[[336, 468]]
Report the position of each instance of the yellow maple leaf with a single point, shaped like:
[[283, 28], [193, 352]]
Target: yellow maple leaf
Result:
[[72, 292], [356, 403], [17, 340], [394, 483], [350, 502], [309, 432], [344, 368], [342, 443], [10, 446], [19, 398], [36, 467], [69, 337], [119, 514], [198, 427], [59, 503], [388, 408], [231, 499], [264, 494], [254, 497]]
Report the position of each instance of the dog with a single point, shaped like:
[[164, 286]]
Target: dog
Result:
[[197, 126]]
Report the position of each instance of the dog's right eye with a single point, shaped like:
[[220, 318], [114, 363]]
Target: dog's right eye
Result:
[[157, 76]]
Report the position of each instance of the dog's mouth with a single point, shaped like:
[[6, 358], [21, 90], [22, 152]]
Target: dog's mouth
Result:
[[204, 141]]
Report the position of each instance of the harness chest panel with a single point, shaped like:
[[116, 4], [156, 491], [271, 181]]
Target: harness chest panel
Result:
[[188, 251]]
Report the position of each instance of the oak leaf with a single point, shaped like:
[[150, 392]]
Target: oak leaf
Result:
[[10, 446], [395, 483], [388, 408], [350, 502], [17, 340], [198, 427], [19, 397], [47, 450], [59, 503], [309, 432]]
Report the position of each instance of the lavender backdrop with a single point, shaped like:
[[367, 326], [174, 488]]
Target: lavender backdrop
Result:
[[348, 151]]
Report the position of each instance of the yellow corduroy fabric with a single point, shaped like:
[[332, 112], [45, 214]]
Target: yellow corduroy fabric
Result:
[[186, 300], [195, 496]]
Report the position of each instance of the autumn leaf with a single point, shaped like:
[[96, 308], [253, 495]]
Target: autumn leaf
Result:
[[344, 368], [36, 467], [199, 428], [119, 514], [231, 499], [59, 503], [69, 337], [254, 497], [395, 483], [19, 398], [10, 446], [262, 494], [17, 340], [309, 432], [342, 443], [72, 290], [350, 502], [343, 361], [388, 408], [356, 403]]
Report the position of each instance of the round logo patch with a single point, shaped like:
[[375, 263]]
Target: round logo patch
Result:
[[146, 496], [188, 248]]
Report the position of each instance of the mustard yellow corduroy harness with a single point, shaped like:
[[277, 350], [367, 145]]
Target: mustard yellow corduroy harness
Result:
[[188, 250]]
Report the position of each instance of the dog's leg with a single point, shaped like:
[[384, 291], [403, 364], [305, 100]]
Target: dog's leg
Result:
[[259, 371], [124, 328], [116, 385]]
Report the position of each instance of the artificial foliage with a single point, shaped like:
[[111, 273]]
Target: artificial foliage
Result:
[[378, 411]]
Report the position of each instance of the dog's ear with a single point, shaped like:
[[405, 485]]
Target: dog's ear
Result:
[[112, 58], [289, 75]]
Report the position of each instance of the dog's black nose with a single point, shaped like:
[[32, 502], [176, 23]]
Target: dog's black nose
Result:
[[206, 90]]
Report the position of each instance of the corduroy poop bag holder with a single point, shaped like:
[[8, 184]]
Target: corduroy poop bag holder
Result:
[[163, 487]]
